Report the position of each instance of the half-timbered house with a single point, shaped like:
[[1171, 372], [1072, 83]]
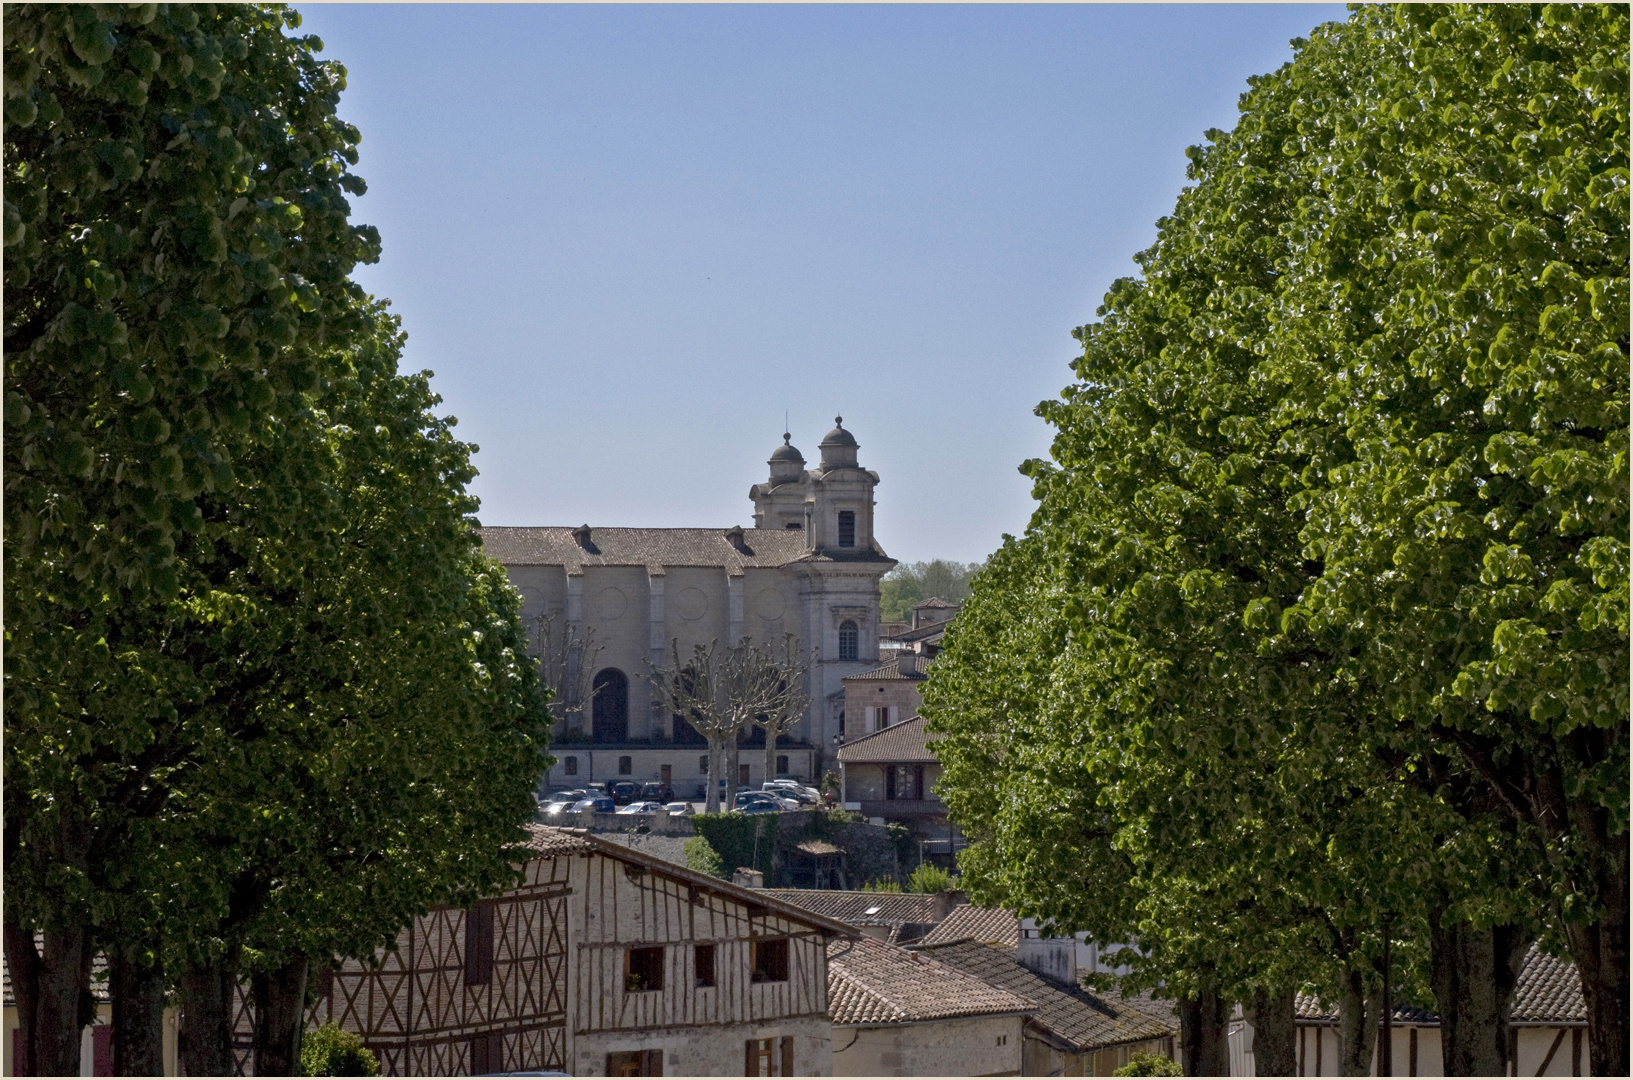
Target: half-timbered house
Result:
[[605, 961]]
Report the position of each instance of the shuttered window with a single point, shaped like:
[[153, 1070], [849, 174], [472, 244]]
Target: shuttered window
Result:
[[479, 944]]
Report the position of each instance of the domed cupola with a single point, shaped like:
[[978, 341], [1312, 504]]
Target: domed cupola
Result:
[[838, 447], [787, 463]]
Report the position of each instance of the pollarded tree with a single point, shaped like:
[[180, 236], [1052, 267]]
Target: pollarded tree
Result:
[[788, 702]]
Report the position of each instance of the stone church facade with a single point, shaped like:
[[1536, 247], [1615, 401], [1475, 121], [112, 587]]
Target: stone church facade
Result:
[[809, 566]]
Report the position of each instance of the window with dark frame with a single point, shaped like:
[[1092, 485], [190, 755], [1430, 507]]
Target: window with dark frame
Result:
[[479, 943], [487, 1051], [626, 765], [848, 640], [847, 528], [635, 1063], [643, 969], [768, 960], [769, 1057], [702, 965], [703, 764], [782, 763], [570, 766]]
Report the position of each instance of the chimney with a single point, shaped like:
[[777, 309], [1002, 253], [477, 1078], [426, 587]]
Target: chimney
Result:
[[748, 879], [947, 901], [734, 537], [581, 536], [907, 663]]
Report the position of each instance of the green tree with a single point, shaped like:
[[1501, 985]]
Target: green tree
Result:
[[912, 583], [333, 1051], [175, 219]]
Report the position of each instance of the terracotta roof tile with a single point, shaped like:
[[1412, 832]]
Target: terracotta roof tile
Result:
[[1085, 1019], [989, 926], [555, 546], [870, 983], [891, 671], [903, 742], [857, 908]]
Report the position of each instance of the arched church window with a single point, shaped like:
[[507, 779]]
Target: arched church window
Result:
[[609, 706], [848, 640], [847, 528]]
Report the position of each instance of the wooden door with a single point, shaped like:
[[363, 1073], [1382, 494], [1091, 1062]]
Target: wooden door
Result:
[[666, 775]]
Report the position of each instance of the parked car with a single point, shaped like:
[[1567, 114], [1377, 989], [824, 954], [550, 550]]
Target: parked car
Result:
[[598, 804], [680, 809], [642, 806], [758, 806], [557, 806], [623, 792], [787, 789], [657, 791], [745, 799], [566, 796]]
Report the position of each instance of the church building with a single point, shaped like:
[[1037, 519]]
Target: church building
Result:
[[611, 604]]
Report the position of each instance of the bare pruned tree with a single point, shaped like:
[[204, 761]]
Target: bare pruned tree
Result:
[[566, 664], [720, 691], [789, 702]]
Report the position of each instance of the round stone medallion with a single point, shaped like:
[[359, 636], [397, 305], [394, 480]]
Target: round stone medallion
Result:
[[769, 604], [610, 603], [691, 604]]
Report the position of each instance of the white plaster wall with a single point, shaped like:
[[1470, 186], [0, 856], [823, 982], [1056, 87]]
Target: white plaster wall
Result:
[[962, 1046], [709, 1051]]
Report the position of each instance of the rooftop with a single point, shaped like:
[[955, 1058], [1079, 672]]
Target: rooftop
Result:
[[556, 546], [872, 983], [1082, 1019], [903, 742], [988, 926], [857, 908], [892, 670], [1549, 991]]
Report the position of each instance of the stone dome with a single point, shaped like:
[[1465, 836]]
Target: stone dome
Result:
[[838, 447], [787, 463], [786, 452]]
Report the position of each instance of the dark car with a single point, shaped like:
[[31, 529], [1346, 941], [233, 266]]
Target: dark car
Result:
[[654, 791], [623, 792], [598, 804]]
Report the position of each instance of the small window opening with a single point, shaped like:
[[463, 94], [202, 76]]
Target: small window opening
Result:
[[794, 525], [703, 764], [847, 528], [570, 766], [643, 969], [626, 765], [848, 640], [703, 965], [782, 763], [768, 960]]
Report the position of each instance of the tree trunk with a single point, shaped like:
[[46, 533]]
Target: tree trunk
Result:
[[1473, 974], [1204, 1035], [138, 1017], [1275, 1032], [52, 992], [204, 1041], [280, 1017], [711, 795], [770, 753], [734, 758], [1357, 1025], [1600, 950]]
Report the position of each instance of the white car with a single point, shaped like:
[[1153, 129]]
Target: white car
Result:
[[557, 807], [643, 808], [680, 809], [791, 789]]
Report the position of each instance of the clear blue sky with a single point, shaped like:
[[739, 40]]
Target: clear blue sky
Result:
[[628, 239]]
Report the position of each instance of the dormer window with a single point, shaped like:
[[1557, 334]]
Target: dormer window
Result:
[[847, 528]]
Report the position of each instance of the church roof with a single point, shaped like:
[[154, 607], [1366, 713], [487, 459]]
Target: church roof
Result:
[[555, 546]]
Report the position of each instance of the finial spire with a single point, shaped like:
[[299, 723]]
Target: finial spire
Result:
[[839, 421]]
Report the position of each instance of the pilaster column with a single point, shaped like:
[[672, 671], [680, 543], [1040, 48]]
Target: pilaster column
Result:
[[734, 606]]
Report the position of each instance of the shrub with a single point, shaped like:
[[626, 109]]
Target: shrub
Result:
[[931, 879], [1150, 1065], [882, 885], [332, 1051], [703, 858]]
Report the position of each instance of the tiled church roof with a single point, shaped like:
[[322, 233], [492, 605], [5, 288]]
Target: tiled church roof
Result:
[[555, 546]]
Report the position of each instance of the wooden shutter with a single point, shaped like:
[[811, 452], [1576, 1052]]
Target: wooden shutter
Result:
[[102, 1049], [751, 1058], [787, 1056], [479, 943], [652, 1063]]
